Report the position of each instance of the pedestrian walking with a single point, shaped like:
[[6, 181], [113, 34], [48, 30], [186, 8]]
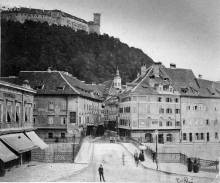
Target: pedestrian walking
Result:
[[136, 158], [101, 173], [141, 155], [153, 156], [123, 159]]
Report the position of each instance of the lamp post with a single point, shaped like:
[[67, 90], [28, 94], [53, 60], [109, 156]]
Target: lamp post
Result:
[[73, 147], [156, 135]]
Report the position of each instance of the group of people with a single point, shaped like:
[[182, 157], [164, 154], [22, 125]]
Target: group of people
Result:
[[138, 157]]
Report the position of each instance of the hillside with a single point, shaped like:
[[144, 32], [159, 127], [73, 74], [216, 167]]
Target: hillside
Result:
[[92, 58]]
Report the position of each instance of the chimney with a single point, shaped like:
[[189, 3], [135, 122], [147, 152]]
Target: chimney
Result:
[[143, 70], [26, 84], [172, 66], [49, 69], [200, 76], [156, 69]]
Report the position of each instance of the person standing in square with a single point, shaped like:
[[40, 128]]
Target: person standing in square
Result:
[[101, 173]]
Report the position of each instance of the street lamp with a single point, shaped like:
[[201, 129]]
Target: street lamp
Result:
[[74, 147], [156, 135]]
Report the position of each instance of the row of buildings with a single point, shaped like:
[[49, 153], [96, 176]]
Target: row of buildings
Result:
[[58, 107], [171, 102], [52, 17]]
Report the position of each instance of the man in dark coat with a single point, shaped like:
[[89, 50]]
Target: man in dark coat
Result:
[[101, 173]]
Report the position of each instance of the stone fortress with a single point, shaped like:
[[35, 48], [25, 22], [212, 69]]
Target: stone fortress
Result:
[[56, 17]]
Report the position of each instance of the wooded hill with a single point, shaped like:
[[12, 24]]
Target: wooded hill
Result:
[[89, 57]]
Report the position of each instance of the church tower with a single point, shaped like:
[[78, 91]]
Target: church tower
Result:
[[117, 80]]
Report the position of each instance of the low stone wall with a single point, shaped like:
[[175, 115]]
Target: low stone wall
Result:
[[58, 152]]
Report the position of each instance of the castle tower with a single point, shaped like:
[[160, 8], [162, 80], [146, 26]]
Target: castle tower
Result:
[[94, 26], [117, 80], [96, 18]]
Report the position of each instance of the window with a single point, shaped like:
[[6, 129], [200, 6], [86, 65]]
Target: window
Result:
[[63, 135], [17, 113], [168, 99], [160, 123], [9, 112], [177, 123], [184, 122], [50, 135], [202, 136], [197, 136], [161, 110], [127, 109], [169, 123], [50, 120], [121, 110], [159, 99], [177, 111], [195, 107], [216, 135], [63, 120], [184, 136], [207, 122], [72, 117], [169, 137], [176, 100], [51, 106], [168, 110], [188, 107], [34, 120], [207, 135]]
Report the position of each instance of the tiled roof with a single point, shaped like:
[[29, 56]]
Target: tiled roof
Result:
[[183, 80], [56, 83], [10, 84], [209, 88]]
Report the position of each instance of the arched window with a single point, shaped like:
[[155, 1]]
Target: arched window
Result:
[[169, 137]]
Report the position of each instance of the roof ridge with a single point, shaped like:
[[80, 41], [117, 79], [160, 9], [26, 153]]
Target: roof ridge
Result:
[[68, 83], [142, 79]]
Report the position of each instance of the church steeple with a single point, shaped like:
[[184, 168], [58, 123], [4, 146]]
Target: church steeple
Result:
[[117, 80]]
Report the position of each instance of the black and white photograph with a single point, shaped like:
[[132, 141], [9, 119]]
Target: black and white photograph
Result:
[[110, 91]]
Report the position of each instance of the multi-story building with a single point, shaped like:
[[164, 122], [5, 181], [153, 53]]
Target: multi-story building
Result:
[[63, 105], [56, 17], [17, 136], [172, 101], [200, 105], [150, 103]]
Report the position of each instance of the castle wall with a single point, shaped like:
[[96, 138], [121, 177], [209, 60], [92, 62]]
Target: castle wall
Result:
[[51, 17]]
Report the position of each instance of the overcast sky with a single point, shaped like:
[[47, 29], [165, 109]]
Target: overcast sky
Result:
[[185, 32]]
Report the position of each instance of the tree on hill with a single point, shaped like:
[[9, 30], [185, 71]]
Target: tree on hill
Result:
[[90, 57]]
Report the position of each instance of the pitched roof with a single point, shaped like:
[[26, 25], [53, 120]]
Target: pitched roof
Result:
[[5, 83], [56, 83]]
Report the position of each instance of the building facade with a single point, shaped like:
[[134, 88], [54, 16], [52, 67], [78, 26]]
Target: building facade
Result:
[[173, 102], [64, 106], [111, 90], [56, 17], [150, 105], [17, 136]]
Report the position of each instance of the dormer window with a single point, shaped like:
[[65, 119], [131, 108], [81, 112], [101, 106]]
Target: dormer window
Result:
[[184, 90], [60, 87], [39, 87]]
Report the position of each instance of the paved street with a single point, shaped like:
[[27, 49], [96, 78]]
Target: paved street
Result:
[[91, 154], [110, 155]]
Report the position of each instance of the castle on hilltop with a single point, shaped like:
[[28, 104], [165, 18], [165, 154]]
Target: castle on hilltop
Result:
[[56, 17]]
